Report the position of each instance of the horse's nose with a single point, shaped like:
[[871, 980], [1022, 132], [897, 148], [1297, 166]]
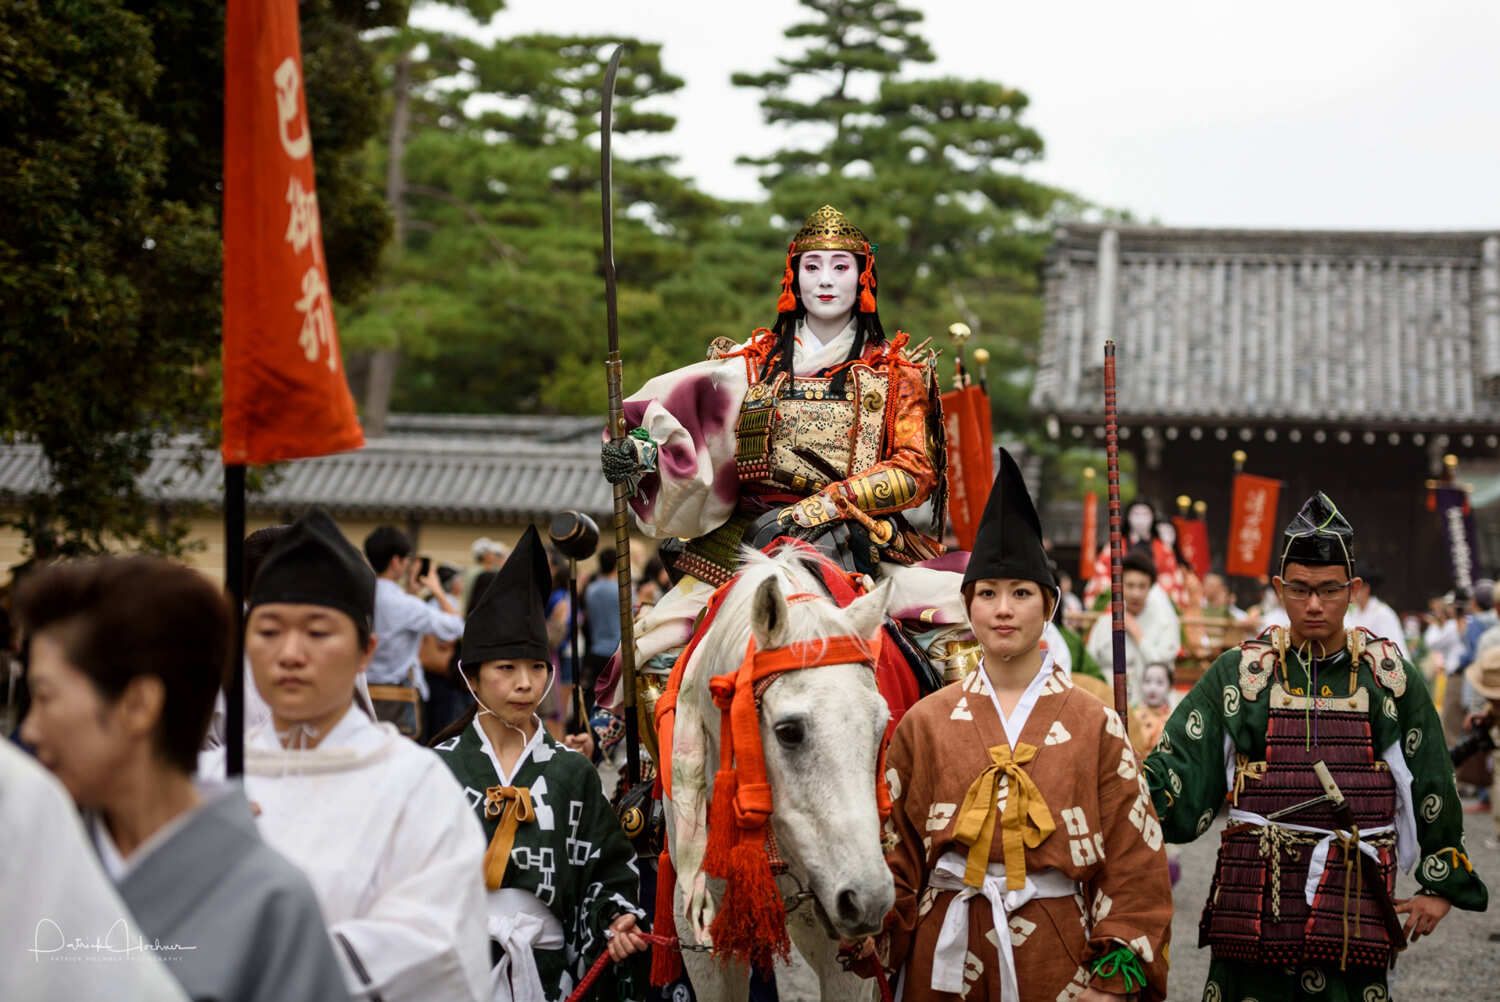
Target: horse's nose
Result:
[[863, 913]]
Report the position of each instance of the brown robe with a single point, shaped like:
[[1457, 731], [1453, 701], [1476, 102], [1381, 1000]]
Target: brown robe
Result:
[[1106, 838]]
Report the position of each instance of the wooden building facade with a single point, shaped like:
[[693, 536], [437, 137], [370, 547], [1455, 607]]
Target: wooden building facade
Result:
[[1347, 362]]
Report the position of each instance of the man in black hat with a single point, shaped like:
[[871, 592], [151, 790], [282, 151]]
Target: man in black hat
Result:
[[1301, 902]]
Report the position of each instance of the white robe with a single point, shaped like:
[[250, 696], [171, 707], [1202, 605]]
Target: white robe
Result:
[[1161, 636], [393, 850], [58, 902]]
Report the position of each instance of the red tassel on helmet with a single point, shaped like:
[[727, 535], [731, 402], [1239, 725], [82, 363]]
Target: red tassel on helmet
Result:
[[787, 302], [867, 283]]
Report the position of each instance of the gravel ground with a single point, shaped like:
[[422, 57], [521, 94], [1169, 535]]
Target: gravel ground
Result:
[[1459, 963]]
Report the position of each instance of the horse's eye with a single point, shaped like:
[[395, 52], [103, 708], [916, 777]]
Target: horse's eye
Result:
[[790, 733]]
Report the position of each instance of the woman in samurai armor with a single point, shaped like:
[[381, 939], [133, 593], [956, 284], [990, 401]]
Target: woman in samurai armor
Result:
[[1027, 858], [821, 428]]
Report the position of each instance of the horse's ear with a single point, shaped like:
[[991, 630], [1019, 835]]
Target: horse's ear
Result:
[[768, 615], [867, 613]]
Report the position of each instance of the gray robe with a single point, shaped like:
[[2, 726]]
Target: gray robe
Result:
[[247, 918]]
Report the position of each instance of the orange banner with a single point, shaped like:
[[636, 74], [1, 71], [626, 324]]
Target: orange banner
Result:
[[1252, 525], [971, 450], [1192, 540], [1088, 544], [285, 395]]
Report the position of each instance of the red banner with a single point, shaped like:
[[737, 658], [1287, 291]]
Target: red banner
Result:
[[1089, 543], [1252, 525], [1192, 540], [971, 452], [285, 395]]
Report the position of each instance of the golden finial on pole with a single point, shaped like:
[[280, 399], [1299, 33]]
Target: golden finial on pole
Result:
[[1200, 508], [1239, 459], [960, 334], [982, 360], [1088, 477], [1184, 503]]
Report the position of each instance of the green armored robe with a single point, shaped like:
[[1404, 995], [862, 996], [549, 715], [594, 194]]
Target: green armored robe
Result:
[[572, 857], [1226, 714]]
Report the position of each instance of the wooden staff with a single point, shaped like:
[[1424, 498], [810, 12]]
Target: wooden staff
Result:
[[1116, 534]]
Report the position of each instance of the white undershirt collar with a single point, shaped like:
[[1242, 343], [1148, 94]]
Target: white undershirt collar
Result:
[[489, 749], [1022, 713]]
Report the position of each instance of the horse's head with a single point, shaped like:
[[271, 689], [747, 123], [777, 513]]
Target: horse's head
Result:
[[821, 729]]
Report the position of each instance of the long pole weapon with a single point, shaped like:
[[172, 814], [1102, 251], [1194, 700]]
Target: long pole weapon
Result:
[[1116, 535], [617, 426]]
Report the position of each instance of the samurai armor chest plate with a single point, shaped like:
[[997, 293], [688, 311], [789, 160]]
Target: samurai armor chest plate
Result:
[[1262, 908], [796, 436]]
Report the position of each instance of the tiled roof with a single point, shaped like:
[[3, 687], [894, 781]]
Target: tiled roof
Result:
[[523, 470], [1375, 329]]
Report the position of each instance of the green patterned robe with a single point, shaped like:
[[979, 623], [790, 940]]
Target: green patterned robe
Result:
[[1188, 782], [574, 858]]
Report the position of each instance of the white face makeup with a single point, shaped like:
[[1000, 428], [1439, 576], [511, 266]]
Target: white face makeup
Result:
[[828, 282], [1155, 686], [1139, 518], [1166, 532]]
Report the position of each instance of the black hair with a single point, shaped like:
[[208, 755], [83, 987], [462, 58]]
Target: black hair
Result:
[[385, 544], [1138, 558], [606, 561], [867, 329], [122, 618]]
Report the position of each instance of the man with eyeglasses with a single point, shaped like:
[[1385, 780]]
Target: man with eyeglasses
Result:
[[1301, 904]]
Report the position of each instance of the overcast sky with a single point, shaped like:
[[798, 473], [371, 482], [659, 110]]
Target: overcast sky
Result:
[[1314, 113]]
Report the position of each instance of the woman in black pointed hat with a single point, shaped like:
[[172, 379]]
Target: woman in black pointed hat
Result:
[[1018, 808], [559, 871]]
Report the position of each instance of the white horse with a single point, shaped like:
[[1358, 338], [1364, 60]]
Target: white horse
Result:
[[821, 729]]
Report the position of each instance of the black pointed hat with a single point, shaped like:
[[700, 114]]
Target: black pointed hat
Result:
[[1319, 536], [313, 564], [1009, 544], [509, 622]]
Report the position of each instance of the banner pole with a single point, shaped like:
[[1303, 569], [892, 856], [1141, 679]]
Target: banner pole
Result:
[[234, 581]]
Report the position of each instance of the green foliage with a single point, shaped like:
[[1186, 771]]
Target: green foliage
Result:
[[110, 166]]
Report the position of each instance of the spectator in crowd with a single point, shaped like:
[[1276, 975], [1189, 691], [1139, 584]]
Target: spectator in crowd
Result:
[[1153, 631], [1366, 610], [558, 608], [601, 608], [401, 621], [1071, 603], [1444, 637], [1483, 678], [446, 698], [126, 656], [489, 555], [1271, 612]]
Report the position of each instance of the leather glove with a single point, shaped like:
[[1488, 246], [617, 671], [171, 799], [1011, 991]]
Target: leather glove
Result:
[[627, 460]]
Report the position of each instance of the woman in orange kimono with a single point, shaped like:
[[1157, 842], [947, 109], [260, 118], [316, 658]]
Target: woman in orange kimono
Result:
[[1019, 807]]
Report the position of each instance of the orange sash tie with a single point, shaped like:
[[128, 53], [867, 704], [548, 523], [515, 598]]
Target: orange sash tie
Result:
[[1025, 824], [512, 805]]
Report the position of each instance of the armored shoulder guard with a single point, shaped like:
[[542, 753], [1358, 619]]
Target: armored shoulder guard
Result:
[[1258, 661], [1384, 657]]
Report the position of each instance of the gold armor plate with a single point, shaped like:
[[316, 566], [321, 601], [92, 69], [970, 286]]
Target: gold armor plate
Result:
[[844, 433]]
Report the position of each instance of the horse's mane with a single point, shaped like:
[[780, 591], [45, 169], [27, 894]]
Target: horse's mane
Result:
[[818, 620]]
